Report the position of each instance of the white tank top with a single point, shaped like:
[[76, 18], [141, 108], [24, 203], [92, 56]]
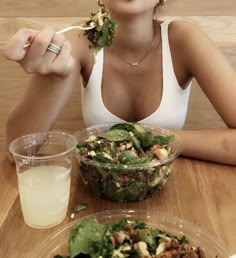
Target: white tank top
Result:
[[172, 110]]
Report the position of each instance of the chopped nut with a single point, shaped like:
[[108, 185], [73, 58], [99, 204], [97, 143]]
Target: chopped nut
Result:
[[91, 138], [129, 145], [141, 248], [92, 153], [161, 154]]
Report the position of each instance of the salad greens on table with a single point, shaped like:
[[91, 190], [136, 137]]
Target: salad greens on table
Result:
[[91, 239], [125, 162], [103, 33]]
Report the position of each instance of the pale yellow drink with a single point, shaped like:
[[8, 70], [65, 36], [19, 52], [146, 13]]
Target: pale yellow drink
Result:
[[44, 195]]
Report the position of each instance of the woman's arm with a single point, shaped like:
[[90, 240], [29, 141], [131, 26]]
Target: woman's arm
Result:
[[40, 105], [204, 61], [218, 145], [54, 77]]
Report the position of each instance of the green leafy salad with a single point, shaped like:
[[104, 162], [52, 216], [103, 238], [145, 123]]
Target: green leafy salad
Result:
[[126, 162], [127, 144], [103, 33], [91, 239]]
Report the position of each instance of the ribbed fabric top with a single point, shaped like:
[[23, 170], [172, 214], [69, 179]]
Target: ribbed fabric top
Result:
[[172, 110]]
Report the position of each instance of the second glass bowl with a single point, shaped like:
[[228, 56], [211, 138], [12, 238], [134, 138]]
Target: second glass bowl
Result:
[[58, 242]]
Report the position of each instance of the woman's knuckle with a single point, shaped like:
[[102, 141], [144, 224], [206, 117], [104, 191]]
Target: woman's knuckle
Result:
[[40, 41], [71, 63], [67, 45], [57, 68], [67, 69], [28, 68], [52, 69], [50, 30], [59, 38], [45, 69], [42, 71]]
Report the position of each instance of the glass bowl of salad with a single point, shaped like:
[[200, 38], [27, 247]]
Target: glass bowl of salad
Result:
[[130, 233], [126, 162]]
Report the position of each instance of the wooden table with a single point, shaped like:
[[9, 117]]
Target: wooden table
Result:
[[200, 192]]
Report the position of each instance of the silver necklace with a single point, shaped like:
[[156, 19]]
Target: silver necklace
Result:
[[135, 64]]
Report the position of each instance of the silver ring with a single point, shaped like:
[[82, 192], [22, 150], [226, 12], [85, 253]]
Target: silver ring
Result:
[[54, 48]]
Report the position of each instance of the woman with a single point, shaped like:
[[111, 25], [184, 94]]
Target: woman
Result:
[[144, 76]]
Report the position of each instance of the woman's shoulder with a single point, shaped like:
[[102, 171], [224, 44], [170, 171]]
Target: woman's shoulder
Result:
[[185, 34], [191, 45], [187, 40], [183, 25], [181, 33]]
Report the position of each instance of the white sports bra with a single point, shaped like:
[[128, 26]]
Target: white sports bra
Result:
[[172, 110]]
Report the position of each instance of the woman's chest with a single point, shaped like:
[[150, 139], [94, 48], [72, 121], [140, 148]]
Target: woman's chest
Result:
[[132, 93]]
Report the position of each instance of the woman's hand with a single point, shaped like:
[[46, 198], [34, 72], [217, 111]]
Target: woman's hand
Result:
[[37, 58]]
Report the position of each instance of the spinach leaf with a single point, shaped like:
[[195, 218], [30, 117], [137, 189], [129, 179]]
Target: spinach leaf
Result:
[[148, 140], [113, 149], [127, 157], [80, 207], [107, 34], [136, 144], [104, 32], [87, 238], [81, 149], [184, 240], [101, 158], [115, 135], [116, 226], [145, 159], [139, 129], [123, 126], [146, 236], [136, 129], [139, 225], [95, 146], [129, 193]]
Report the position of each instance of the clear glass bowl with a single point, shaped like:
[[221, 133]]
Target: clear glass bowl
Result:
[[124, 183], [58, 242]]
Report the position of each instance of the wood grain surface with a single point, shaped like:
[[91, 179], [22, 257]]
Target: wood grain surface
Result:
[[199, 192]]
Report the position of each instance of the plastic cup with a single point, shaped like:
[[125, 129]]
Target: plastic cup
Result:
[[43, 165]]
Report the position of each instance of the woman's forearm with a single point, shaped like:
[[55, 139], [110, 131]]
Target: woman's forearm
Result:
[[218, 145], [55, 74], [39, 106]]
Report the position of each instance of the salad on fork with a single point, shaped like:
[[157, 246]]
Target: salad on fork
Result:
[[99, 29], [104, 32]]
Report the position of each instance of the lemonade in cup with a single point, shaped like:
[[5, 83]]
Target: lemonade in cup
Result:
[[43, 165]]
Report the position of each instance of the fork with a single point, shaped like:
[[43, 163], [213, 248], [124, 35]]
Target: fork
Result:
[[68, 29]]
